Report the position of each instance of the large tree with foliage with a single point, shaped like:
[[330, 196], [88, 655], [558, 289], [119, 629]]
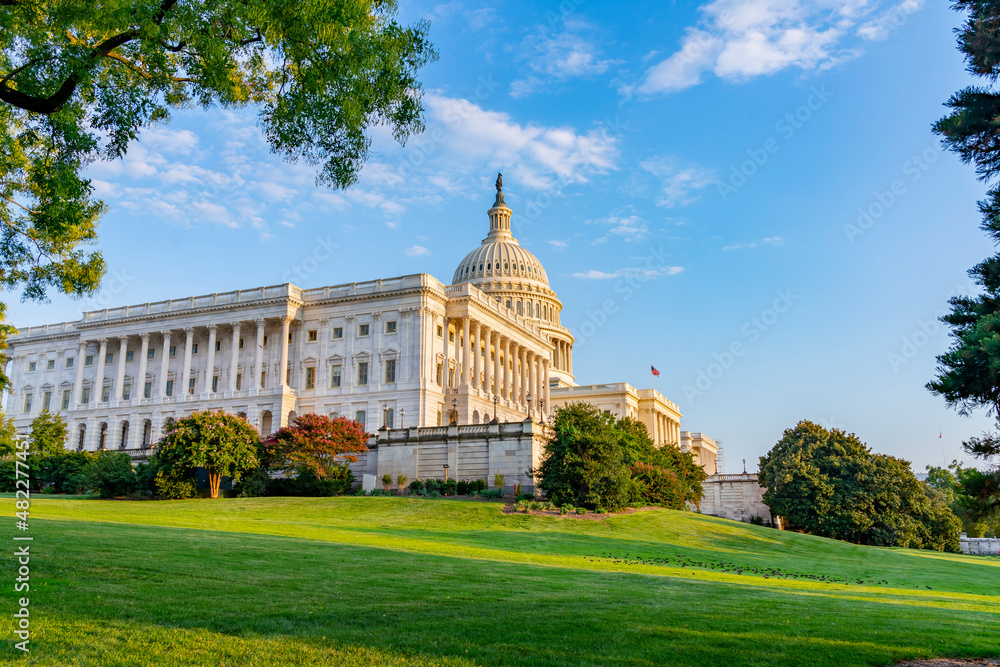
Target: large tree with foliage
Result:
[[79, 81], [8, 436], [223, 444], [48, 434], [968, 374], [318, 445], [829, 483]]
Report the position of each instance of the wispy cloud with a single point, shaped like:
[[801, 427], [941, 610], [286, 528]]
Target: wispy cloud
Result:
[[678, 181], [629, 227], [558, 245], [767, 241], [552, 57], [417, 251], [627, 271], [738, 40]]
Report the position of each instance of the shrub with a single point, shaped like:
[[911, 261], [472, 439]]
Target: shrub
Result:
[[658, 485], [361, 491], [416, 487], [477, 485], [78, 484], [757, 520], [308, 485], [448, 488], [253, 485], [387, 481], [7, 473], [498, 481], [491, 494], [380, 492], [581, 510], [111, 475], [173, 486], [565, 509], [401, 482], [145, 478], [432, 485], [463, 488]]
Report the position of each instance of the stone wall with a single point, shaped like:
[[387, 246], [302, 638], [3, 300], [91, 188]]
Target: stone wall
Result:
[[980, 545], [476, 451], [738, 497]]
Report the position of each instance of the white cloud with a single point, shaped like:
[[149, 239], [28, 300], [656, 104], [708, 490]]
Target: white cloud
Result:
[[769, 240], [555, 57], [417, 251], [741, 39], [484, 18], [629, 227], [558, 245], [678, 181], [166, 140], [627, 271]]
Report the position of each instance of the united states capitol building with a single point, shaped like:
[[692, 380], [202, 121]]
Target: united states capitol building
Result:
[[464, 374]]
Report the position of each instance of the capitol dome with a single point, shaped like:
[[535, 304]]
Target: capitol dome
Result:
[[506, 271]]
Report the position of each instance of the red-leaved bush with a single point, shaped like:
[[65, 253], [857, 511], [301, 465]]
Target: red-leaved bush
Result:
[[318, 444]]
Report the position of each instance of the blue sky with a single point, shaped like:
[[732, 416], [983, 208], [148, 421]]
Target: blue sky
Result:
[[745, 194]]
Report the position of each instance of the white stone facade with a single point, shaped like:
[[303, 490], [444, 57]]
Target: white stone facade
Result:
[[661, 416], [739, 497]]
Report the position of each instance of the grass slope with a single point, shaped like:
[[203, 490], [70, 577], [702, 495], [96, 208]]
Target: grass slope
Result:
[[380, 581]]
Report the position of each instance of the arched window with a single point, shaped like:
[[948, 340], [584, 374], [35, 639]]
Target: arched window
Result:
[[519, 308], [508, 304], [83, 437]]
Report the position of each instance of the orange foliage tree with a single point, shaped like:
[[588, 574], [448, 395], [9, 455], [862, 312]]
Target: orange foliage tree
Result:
[[317, 444]]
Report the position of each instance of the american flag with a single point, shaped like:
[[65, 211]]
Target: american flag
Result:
[[652, 369]]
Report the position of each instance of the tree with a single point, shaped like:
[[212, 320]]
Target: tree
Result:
[[318, 445], [111, 474], [223, 444], [79, 81], [585, 462], [828, 483], [8, 436], [48, 434], [641, 448]]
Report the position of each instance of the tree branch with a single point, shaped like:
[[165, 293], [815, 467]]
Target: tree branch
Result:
[[55, 101]]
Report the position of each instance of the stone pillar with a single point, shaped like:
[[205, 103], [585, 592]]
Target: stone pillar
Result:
[[405, 353], [234, 356], [322, 369], [522, 357], [466, 351], [569, 358], [375, 371], [102, 352], [210, 360], [161, 392], [477, 331], [81, 352], [548, 399], [117, 390], [529, 374], [444, 369], [258, 353], [503, 387], [515, 373], [286, 321], [487, 365], [186, 368], [139, 382]]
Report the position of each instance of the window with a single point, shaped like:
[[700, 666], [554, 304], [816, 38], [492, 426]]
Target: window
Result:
[[362, 373], [194, 348], [312, 336], [147, 390], [191, 385], [440, 331], [151, 353], [27, 403], [85, 398], [105, 394], [89, 360], [215, 383], [390, 418], [438, 377], [173, 350], [451, 336], [439, 418], [127, 392], [65, 399], [265, 341], [335, 376], [46, 400], [451, 377], [241, 343], [390, 371], [31, 366], [359, 417], [310, 378], [338, 332], [69, 362], [363, 329], [170, 387], [288, 377], [263, 379], [334, 415], [109, 358], [218, 346], [289, 336], [390, 326], [239, 381], [50, 364], [130, 355]]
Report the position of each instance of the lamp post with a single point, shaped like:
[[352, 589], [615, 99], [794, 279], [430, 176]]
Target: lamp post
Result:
[[529, 398], [446, 473], [402, 415], [496, 401], [385, 415], [541, 411], [454, 411]]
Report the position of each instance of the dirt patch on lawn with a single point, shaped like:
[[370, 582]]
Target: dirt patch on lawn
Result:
[[589, 516], [949, 662]]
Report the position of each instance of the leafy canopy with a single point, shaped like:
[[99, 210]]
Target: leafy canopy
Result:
[[317, 444], [828, 483], [48, 434], [79, 80], [224, 444]]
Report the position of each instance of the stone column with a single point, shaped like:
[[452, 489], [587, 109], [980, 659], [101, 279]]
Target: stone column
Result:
[[405, 354], [515, 374], [117, 390], [139, 382], [81, 352], [548, 399], [347, 372], [286, 322], [444, 369], [477, 336], [99, 379], [234, 356], [322, 370], [487, 366], [504, 389], [466, 351], [210, 360], [375, 371], [161, 392], [186, 368], [522, 357], [258, 353], [569, 358]]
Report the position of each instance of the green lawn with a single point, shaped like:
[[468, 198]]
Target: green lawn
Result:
[[373, 581]]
